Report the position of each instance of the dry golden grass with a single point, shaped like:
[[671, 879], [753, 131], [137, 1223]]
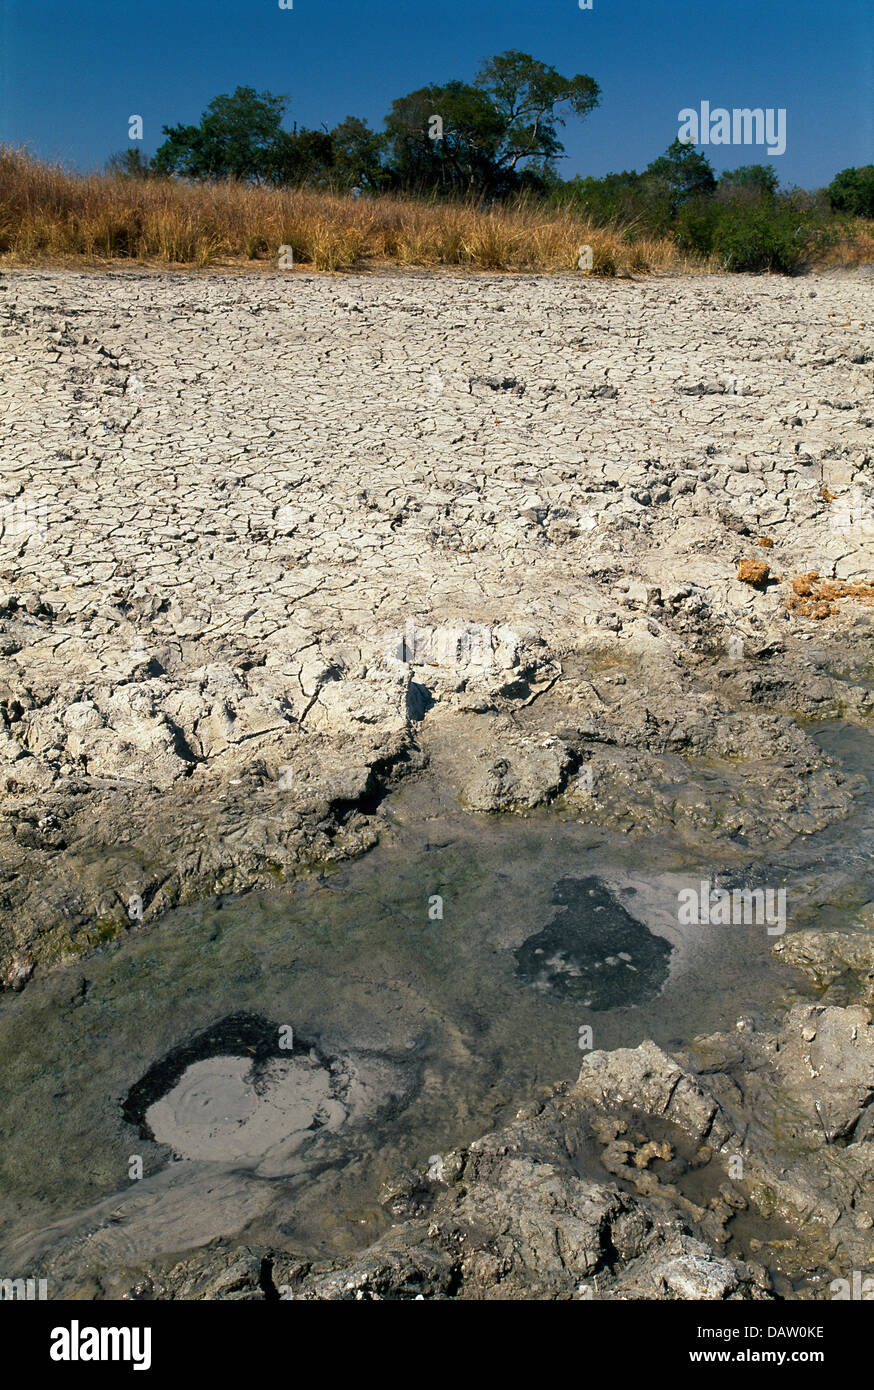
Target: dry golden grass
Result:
[[49, 213], [855, 246], [46, 212]]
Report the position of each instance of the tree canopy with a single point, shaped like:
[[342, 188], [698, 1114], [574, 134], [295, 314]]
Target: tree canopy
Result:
[[752, 180], [495, 134], [852, 190], [239, 137], [487, 137], [681, 173], [530, 100], [444, 138]]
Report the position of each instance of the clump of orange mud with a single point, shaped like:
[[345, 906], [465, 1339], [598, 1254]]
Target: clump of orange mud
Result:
[[754, 572], [813, 597]]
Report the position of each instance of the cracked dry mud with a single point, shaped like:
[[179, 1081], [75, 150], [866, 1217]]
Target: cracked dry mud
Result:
[[271, 545]]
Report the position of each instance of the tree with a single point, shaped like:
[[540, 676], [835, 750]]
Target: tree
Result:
[[130, 164], [239, 137], [490, 137], [357, 155], [680, 174], [299, 157], [613, 198], [526, 94], [852, 190], [494, 135], [750, 181], [444, 138]]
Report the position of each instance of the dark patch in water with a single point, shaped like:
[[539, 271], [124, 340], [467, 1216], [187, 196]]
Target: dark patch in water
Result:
[[594, 950]]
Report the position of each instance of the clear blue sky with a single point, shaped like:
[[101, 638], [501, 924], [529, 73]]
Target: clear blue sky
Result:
[[73, 71]]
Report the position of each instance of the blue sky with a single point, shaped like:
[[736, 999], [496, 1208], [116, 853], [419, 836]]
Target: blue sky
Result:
[[73, 71]]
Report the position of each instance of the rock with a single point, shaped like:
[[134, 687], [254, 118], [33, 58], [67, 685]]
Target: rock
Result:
[[696, 1274], [514, 1217], [524, 775], [830, 956], [18, 972]]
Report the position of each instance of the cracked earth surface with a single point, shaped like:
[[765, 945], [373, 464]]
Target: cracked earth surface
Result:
[[271, 543]]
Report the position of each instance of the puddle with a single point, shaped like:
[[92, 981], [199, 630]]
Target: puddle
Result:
[[263, 1065], [225, 1096]]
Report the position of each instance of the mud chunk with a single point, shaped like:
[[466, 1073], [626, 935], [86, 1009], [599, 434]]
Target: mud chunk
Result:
[[803, 585], [754, 572], [817, 598], [647, 1152]]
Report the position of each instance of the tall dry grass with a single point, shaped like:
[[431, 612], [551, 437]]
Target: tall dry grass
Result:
[[49, 212], [854, 245]]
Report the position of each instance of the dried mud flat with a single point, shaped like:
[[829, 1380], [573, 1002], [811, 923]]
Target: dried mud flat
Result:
[[272, 545]]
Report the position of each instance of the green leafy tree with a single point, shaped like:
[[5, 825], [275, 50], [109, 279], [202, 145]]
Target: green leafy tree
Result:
[[497, 134], [490, 137], [444, 138], [680, 174], [852, 190], [357, 155], [531, 100], [299, 157], [747, 183], [239, 137], [615, 197]]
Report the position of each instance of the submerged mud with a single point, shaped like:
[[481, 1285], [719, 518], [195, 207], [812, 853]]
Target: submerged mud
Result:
[[594, 950], [246, 1090]]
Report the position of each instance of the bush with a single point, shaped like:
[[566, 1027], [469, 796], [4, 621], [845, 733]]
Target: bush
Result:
[[682, 175], [618, 198], [852, 190], [750, 183], [46, 209], [748, 237]]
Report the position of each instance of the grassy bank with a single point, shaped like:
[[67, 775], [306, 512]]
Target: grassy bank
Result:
[[48, 213]]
